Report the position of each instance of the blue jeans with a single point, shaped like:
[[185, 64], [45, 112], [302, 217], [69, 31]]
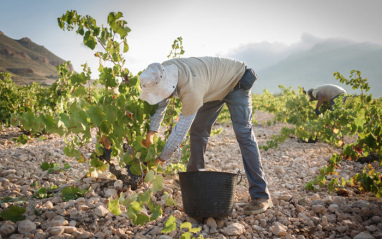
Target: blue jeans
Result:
[[239, 103]]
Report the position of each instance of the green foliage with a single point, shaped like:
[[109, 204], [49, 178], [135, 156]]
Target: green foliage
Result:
[[45, 192], [356, 81], [53, 167], [359, 117], [73, 192], [14, 200], [22, 139], [76, 105], [21, 99], [170, 225], [114, 206], [137, 202], [13, 213], [369, 180], [177, 48]]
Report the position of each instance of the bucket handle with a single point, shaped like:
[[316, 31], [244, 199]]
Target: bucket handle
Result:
[[241, 176]]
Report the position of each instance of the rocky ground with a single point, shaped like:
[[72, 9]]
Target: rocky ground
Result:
[[297, 213]]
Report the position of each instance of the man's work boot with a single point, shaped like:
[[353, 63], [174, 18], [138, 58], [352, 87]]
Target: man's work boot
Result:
[[257, 205]]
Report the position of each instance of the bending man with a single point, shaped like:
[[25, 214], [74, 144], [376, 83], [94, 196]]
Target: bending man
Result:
[[204, 85], [326, 93]]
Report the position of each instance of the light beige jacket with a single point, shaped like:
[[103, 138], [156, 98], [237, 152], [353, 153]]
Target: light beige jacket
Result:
[[205, 79]]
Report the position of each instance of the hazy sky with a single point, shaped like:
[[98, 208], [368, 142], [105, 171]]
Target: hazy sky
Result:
[[208, 27]]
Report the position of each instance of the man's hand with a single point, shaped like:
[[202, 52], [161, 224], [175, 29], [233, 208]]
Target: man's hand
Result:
[[149, 139]]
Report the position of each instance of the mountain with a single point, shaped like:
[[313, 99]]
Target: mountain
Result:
[[312, 62], [27, 61]]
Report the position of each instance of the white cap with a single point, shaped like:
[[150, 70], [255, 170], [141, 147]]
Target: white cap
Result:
[[158, 82]]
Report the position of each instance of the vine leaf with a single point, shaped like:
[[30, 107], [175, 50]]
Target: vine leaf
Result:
[[113, 206], [170, 225], [13, 213]]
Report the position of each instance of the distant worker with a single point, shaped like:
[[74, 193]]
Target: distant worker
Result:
[[326, 93]]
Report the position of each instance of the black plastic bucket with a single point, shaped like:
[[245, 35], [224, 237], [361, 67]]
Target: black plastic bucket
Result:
[[208, 193]]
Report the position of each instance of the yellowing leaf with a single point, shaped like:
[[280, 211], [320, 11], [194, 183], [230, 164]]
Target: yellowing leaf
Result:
[[170, 225], [187, 225], [113, 206]]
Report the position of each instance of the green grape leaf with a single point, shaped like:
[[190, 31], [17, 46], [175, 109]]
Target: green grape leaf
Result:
[[136, 168], [142, 219], [89, 40], [41, 193], [80, 91], [71, 151], [186, 235], [169, 200], [123, 30], [13, 213], [156, 212], [64, 120], [149, 176], [113, 206], [127, 158], [107, 78], [44, 166], [66, 166], [125, 47], [150, 156], [72, 193], [186, 225], [145, 196], [105, 127], [170, 225], [136, 206], [96, 114], [158, 183]]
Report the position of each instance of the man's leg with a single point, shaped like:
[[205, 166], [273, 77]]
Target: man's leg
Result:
[[239, 103], [200, 133]]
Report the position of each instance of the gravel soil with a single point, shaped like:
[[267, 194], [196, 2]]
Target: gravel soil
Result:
[[297, 213]]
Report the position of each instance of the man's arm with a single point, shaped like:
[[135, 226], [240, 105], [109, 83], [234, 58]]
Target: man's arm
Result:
[[157, 118], [177, 135], [321, 98]]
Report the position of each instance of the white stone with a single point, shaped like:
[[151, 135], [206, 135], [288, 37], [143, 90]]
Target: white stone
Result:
[[211, 223], [7, 228], [363, 235], [59, 221], [100, 211], [8, 172], [83, 207], [235, 229], [334, 208], [278, 229], [69, 204], [110, 193], [118, 184], [55, 231], [279, 170], [72, 223], [26, 227], [284, 196], [318, 208], [48, 205]]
